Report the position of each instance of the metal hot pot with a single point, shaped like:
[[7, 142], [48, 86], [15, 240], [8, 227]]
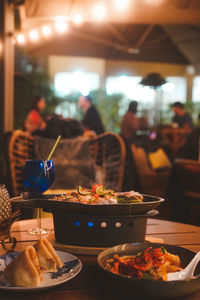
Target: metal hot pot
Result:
[[94, 225]]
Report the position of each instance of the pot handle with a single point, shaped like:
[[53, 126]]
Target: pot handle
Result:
[[152, 213]]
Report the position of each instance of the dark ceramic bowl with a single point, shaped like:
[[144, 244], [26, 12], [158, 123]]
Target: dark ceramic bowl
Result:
[[144, 288]]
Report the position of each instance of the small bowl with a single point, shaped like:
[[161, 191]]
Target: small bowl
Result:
[[143, 287]]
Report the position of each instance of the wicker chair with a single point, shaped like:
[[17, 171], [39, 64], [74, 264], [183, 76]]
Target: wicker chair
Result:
[[152, 182], [20, 149], [108, 151]]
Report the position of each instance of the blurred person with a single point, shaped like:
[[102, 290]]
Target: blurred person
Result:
[[35, 120], [191, 147], [130, 122], [92, 120], [181, 118]]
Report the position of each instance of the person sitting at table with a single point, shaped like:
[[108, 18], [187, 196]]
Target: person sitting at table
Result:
[[130, 122], [35, 120], [92, 120], [191, 147], [181, 118]]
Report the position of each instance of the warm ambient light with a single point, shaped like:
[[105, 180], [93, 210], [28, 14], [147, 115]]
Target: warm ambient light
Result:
[[33, 35], [46, 30], [121, 4], [154, 2], [99, 11], [61, 26], [77, 19], [21, 39]]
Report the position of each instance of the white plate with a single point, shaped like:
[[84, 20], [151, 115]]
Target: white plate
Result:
[[72, 266]]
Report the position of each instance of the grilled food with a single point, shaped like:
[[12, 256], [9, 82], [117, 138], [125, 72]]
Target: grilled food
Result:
[[99, 195], [148, 264]]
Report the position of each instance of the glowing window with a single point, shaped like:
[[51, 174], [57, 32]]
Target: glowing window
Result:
[[66, 83], [174, 90], [196, 89], [131, 88]]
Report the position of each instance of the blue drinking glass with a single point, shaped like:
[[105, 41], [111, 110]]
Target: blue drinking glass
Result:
[[38, 177]]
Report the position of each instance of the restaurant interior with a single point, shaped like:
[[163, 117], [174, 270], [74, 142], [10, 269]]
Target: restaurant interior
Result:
[[103, 96]]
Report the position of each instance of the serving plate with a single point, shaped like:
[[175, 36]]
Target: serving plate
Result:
[[48, 203], [72, 266], [144, 287]]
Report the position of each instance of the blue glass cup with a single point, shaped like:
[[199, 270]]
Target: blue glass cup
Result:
[[38, 177]]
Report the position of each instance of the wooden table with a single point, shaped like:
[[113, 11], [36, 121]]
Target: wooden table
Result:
[[88, 284]]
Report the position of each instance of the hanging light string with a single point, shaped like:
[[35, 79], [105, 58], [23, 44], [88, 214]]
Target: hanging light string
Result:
[[60, 25]]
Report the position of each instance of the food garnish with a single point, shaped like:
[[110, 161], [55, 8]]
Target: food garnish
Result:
[[129, 197], [152, 263], [99, 195]]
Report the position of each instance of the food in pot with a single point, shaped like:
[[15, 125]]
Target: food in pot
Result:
[[26, 269], [99, 195], [129, 197], [152, 263]]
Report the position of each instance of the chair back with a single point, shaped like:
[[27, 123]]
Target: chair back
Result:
[[108, 151], [20, 149], [188, 172]]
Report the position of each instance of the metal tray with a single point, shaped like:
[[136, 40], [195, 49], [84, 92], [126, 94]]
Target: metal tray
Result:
[[47, 203]]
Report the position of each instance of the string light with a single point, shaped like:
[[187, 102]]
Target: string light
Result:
[[21, 39], [77, 19], [121, 4], [61, 26], [99, 11], [46, 30], [33, 34]]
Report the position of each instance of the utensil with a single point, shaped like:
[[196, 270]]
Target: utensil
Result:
[[186, 273], [147, 288]]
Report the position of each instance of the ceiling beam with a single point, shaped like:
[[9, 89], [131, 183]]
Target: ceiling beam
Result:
[[181, 13], [118, 34], [143, 37], [95, 39], [187, 41], [157, 40]]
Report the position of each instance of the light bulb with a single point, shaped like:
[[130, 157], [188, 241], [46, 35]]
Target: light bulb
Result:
[[34, 35], [99, 11], [77, 19], [61, 26], [46, 30], [121, 4], [21, 39]]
